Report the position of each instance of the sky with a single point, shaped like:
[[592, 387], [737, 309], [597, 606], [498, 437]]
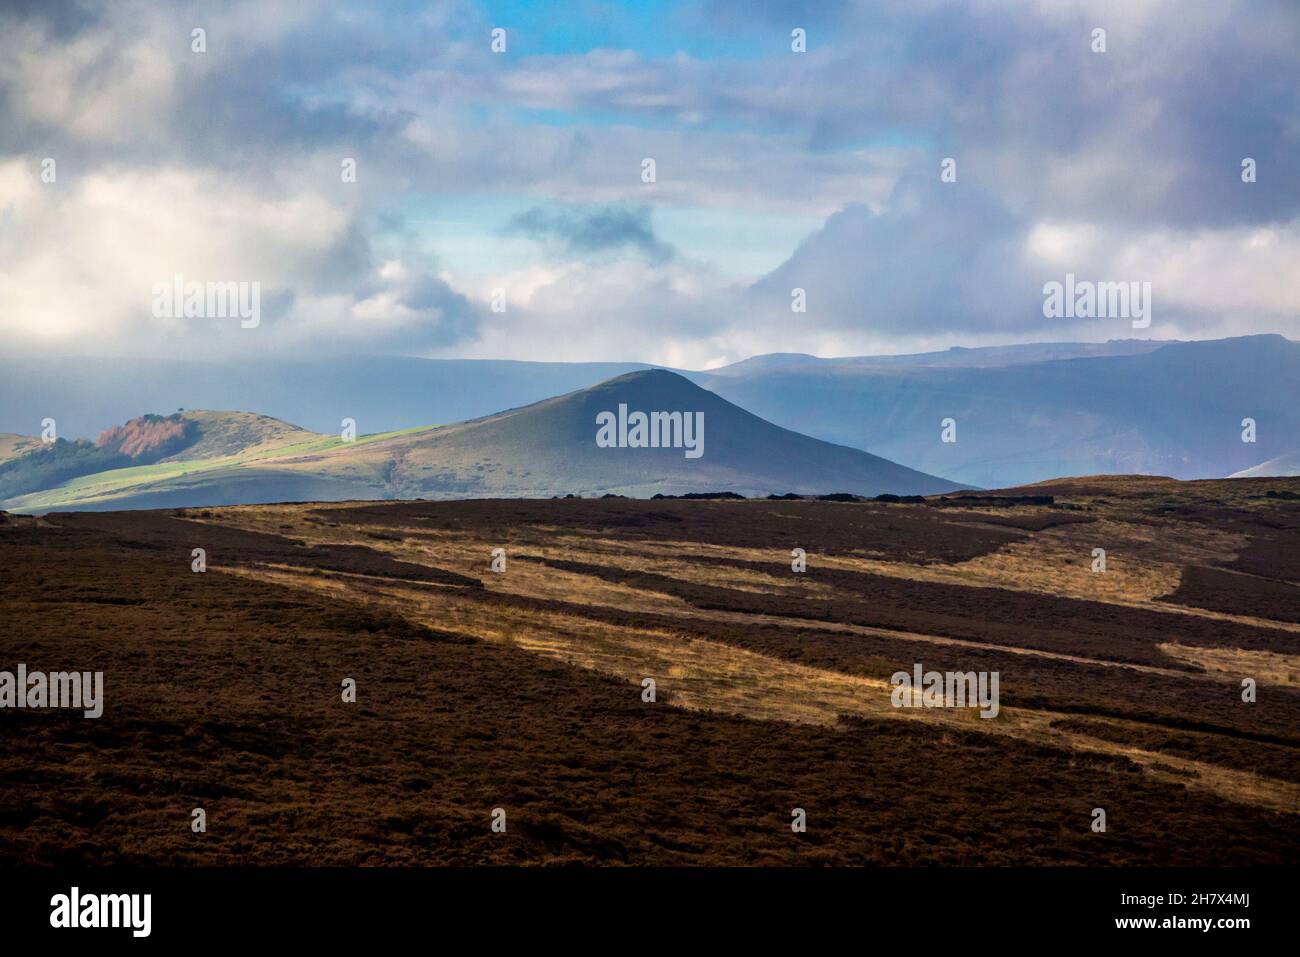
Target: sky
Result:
[[500, 207]]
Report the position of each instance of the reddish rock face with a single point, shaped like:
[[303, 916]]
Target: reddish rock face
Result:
[[149, 436]]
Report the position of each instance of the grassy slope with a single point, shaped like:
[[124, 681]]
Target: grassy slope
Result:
[[238, 433], [120, 484]]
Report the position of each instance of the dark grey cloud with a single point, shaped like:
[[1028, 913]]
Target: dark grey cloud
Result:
[[446, 316], [595, 232]]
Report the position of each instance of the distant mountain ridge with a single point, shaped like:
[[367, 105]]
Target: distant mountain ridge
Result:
[[1023, 413], [1176, 409], [954, 357], [88, 395]]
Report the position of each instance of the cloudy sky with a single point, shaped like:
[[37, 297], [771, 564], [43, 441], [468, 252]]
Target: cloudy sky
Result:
[[522, 172]]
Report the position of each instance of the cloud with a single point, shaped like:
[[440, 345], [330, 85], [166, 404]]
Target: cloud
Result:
[[594, 232], [937, 258], [408, 306], [580, 310], [82, 258]]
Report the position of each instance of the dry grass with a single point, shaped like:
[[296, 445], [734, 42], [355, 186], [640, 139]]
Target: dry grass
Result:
[[711, 676], [1266, 667]]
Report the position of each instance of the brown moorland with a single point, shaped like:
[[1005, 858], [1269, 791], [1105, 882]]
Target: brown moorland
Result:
[[523, 689]]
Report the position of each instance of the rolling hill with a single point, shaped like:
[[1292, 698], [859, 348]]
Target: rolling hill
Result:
[[540, 450]]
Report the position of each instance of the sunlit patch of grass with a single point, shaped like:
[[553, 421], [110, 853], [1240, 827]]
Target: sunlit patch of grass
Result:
[[1266, 667]]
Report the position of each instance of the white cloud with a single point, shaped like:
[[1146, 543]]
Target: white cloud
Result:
[[83, 255]]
